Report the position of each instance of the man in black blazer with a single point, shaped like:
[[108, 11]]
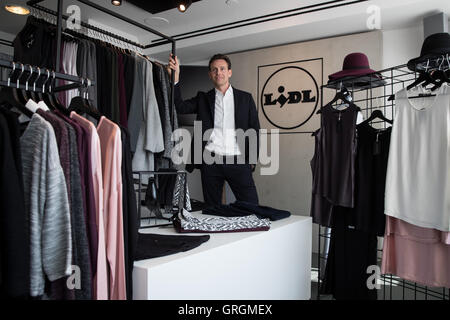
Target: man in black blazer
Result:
[[222, 111]]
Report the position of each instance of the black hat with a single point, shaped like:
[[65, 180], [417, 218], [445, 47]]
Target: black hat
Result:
[[433, 47]]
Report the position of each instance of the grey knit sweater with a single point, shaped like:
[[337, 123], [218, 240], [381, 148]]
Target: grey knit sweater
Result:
[[47, 203]]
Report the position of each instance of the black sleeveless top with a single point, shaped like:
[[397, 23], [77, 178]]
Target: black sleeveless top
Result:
[[370, 179], [333, 163]]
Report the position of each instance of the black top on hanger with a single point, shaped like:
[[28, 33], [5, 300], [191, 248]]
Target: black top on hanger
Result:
[[377, 114], [83, 106], [343, 95]]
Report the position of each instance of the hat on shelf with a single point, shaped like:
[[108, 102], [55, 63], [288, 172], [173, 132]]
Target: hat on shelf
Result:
[[355, 65], [433, 47]]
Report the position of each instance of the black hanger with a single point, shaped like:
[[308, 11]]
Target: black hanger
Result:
[[377, 114], [425, 78], [83, 106], [54, 99], [44, 96], [28, 92], [343, 94], [10, 95]]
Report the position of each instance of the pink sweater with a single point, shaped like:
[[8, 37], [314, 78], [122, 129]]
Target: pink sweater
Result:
[[111, 150], [101, 277]]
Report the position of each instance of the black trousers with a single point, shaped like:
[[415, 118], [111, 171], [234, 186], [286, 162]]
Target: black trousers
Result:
[[238, 176]]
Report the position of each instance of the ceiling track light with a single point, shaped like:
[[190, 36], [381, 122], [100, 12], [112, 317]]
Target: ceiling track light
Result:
[[16, 9], [183, 5], [116, 2]]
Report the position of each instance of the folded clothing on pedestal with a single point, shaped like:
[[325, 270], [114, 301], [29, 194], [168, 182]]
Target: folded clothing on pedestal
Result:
[[158, 245], [243, 208], [187, 223]]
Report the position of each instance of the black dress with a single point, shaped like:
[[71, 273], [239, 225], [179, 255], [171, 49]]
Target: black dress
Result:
[[351, 253], [370, 174]]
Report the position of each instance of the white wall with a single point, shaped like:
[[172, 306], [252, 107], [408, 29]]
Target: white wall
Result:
[[401, 45]]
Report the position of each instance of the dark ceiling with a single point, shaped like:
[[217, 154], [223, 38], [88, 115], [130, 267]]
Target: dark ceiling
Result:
[[156, 6]]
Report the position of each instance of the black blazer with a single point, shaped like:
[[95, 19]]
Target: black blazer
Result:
[[203, 104]]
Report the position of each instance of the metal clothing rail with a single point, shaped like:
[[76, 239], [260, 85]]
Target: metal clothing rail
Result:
[[369, 94], [77, 82]]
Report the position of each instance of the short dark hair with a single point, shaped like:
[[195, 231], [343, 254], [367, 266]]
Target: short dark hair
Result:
[[219, 56]]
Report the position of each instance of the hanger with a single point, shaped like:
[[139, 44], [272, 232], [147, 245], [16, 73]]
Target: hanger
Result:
[[377, 114], [10, 96], [36, 99], [440, 75], [425, 78], [343, 94], [28, 93], [82, 105], [22, 93], [44, 96], [52, 94]]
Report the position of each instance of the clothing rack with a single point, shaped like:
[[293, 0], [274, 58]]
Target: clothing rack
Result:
[[77, 82], [35, 4], [60, 16], [374, 94]]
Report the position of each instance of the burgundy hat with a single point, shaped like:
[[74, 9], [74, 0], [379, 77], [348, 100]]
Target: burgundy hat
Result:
[[355, 64]]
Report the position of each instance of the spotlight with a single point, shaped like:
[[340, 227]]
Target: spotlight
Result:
[[116, 2], [183, 5], [17, 9]]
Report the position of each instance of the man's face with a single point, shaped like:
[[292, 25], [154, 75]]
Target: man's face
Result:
[[219, 72]]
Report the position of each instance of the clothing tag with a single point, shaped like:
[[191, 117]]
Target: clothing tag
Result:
[[376, 146]]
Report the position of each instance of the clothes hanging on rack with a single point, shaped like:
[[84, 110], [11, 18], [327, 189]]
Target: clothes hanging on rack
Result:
[[80, 253], [67, 151], [119, 93], [333, 163], [100, 274], [35, 44], [50, 227], [122, 99], [418, 174], [111, 148], [417, 239], [14, 226], [146, 133], [416, 254], [348, 196], [130, 215], [351, 253], [370, 177]]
